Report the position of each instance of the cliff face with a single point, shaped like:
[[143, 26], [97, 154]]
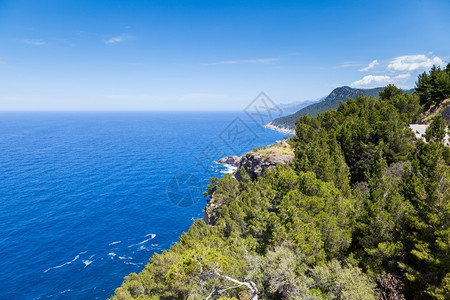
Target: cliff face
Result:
[[230, 160], [255, 163], [209, 215], [446, 114]]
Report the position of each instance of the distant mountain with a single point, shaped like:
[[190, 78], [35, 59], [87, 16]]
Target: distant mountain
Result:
[[339, 94], [291, 108]]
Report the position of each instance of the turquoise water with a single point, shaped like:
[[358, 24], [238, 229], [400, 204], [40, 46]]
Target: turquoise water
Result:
[[87, 198]]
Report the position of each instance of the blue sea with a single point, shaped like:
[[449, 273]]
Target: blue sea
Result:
[[88, 197]]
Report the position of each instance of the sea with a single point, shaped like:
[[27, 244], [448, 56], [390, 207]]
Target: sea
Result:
[[87, 197]]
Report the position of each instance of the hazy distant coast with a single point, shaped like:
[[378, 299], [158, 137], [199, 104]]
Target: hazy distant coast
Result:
[[280, 128]]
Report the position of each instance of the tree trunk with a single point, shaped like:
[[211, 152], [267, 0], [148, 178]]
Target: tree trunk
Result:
[[250, 285]]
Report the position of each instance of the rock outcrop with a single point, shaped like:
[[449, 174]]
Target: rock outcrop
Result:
[[209, 213], [231, 160], [446, 114], [256, 163]]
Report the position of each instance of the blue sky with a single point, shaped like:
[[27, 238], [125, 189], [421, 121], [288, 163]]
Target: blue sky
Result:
[[209, 55]]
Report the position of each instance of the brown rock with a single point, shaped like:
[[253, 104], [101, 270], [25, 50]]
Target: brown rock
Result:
[[230, 160], [255, 164]]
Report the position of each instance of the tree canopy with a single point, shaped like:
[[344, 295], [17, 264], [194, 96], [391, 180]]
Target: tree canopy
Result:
[[434, 86]]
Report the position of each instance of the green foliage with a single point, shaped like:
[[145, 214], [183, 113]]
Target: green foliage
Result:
[[390, 91], [211, 187], [363, 212], [407, 105], [433, 87], [436, 131], [337, 282], [427, 184], [198, 261], [285, 275], [345, 139]]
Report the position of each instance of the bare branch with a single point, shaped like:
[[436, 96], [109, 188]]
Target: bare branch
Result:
[[250, 285], [229, 288], [213, 291]]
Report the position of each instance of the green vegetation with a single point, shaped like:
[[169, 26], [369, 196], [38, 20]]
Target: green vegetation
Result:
[[433, 87], [283, 148], [435, 110], [330, 102], [363, 212]]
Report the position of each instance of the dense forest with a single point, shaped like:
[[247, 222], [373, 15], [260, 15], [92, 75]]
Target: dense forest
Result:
[[362, 212]]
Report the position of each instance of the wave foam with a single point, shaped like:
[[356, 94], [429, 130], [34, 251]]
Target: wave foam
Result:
[[152, 236], [125, 257], [230, 169], [131, 263], [64, 264], [144, 241], [87, 262]]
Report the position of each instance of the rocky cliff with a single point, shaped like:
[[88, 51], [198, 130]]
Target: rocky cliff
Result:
[[255, 163]]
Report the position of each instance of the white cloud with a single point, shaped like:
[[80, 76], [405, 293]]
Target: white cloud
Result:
[[259, 61], [117, 39], [381, 80], [372, 79], [398, 70], [370, 66], [34, 42], [411, 63], [402, 77]]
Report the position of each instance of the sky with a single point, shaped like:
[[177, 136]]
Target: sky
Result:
[[210, 55]]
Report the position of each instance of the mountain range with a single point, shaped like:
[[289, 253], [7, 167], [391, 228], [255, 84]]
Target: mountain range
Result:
[[287, 123]]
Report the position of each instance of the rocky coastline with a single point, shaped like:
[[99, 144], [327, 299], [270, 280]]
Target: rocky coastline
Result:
[[280, 129], [255, 163]]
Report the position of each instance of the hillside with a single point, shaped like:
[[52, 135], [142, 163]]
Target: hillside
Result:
[[330, 102], [435, 110], [360, 212]]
